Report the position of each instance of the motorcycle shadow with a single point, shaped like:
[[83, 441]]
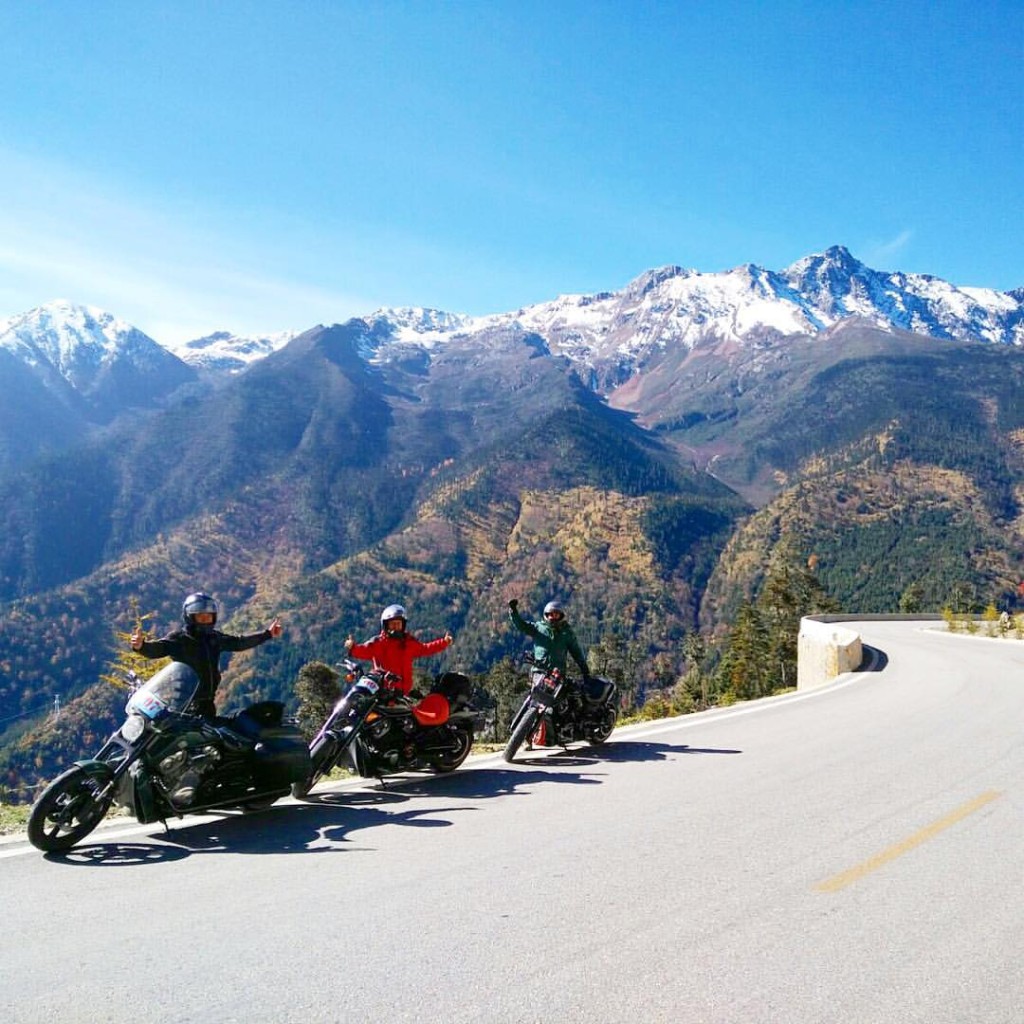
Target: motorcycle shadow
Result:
[[296, 828], [479, 784], [618, 751]]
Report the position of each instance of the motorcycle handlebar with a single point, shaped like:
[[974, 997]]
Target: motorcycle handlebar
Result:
[[383, 675]]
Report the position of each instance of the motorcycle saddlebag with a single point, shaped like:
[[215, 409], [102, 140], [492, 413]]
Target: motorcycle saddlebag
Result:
[[598, 690], [456, 687], [281, 756]]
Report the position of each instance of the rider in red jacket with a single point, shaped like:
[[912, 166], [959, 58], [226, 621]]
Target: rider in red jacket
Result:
[[393, 649]]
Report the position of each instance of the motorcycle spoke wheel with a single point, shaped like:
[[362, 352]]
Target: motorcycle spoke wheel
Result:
[[524, 727], [449, 760], [67, 811]]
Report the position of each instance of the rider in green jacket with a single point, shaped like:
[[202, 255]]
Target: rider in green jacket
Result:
[[553, 638]]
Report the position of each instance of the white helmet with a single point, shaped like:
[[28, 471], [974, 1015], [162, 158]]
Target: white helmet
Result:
[[393, 611]]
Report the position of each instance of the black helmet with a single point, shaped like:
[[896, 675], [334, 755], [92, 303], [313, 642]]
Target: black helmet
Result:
[[393, 611], [194, 605]]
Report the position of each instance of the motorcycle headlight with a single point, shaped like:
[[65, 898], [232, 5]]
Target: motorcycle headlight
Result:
[[133, 728]]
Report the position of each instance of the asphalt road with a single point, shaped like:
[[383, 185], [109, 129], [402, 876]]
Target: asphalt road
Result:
[[851, 855]]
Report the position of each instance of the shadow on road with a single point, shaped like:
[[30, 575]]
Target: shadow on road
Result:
[[325, 823], [327, 820], [620, 751], [873, 659]]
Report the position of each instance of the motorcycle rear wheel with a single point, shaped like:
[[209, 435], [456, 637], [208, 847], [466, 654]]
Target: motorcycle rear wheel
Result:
[[524, 727], [67, 810], [599, 731], [449, 760]]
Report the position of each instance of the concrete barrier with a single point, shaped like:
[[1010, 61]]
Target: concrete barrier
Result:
[[826, 648]]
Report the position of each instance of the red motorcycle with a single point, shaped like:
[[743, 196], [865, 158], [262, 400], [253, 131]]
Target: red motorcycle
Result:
[[376, 729]]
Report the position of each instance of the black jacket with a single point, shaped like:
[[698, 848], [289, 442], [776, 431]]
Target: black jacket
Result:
[[201, 651]]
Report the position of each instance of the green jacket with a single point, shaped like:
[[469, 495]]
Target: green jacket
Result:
[[551, 642]]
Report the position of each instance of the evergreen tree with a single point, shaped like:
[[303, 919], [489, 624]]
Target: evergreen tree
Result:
[[748, 658], [504, 688], [317, 689]]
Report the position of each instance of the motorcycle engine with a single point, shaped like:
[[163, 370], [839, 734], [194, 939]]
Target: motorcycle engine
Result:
[[388, 739], [182, 772]]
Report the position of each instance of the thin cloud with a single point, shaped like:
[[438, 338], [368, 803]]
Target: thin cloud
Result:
[[66, 236], [881, 252]]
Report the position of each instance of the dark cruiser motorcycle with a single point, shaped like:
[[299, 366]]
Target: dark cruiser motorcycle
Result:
[[556, 712], [163, 762], [376, 730]]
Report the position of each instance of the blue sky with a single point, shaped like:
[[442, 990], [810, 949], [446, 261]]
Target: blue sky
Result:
[[265, 166]]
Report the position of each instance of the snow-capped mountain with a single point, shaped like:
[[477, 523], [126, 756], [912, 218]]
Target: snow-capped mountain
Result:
[[66, 369], [224, 352], [609, 335], [83, 346], [618, 332]]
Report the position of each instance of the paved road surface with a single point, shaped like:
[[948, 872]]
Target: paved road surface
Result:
[[853, 855]]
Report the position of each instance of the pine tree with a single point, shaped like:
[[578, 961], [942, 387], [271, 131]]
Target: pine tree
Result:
[[317, 688]]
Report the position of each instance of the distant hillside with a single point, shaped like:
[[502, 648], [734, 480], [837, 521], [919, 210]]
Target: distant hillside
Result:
[[898, 517]]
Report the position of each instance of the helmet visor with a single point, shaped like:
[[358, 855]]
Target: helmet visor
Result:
[[200, 603]]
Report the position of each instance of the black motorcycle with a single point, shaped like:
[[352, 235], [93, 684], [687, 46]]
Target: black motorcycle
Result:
[[557, 712], [164, 762], [376, 730]]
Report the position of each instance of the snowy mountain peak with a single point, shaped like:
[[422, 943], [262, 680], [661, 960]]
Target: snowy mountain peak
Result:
[[612, 335], [224, 352], [78, 342]]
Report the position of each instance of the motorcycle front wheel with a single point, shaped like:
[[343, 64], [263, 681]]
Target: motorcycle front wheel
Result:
[[321, 755], [524, 727], [67, 810], [449, 760]]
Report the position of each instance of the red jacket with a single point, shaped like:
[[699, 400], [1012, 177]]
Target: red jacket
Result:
[[395, 654]]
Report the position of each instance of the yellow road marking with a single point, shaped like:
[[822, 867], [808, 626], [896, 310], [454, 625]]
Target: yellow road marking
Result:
[[841, 881]]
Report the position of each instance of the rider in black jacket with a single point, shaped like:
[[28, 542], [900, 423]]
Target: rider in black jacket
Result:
[[199, 646]]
